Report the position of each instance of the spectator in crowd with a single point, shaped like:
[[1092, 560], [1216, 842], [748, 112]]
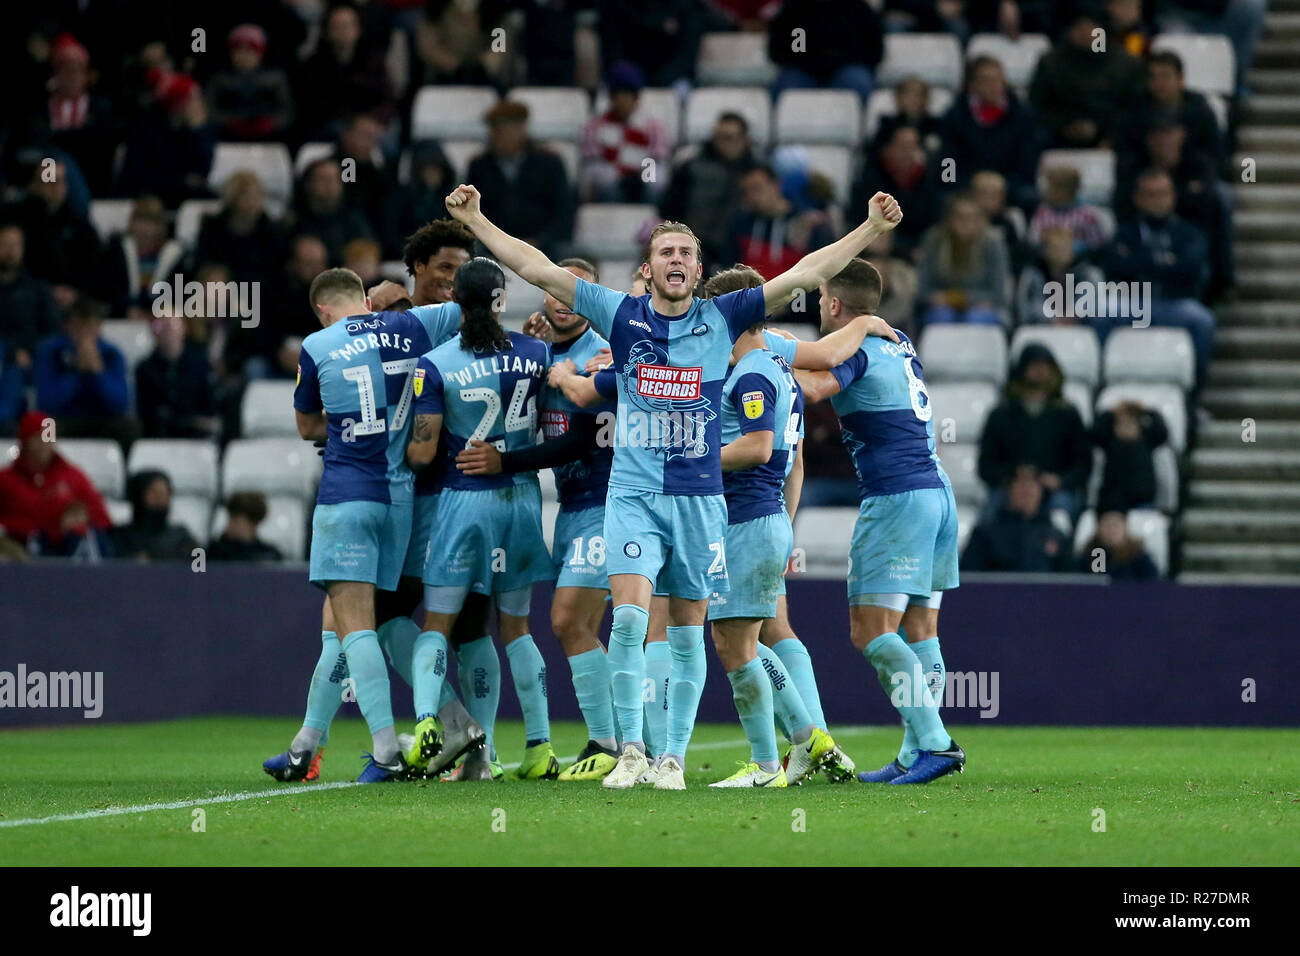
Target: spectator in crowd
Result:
[[61, 245], [964, 270], [12, 400], [989, 190], [169, 150], [250, 101], [371, 181], [1241, 21], [81, 378], [149, 536], [43, 497], [1035, 425], [1081, 90], [912, 102], [27, 310], [524, 186], [319, 209], [242, 236], [1128, 435], [899, 166], [79, 119], [662, 38], [421, 199], [616, 144], [768, 233], [1166, 95], [1061, 209], [1019, 535], [1156, 246], [173, 387], [705, 189], [362, 256], [1121, 556], [138, 258], [930, 16], [1055, 260], [748, 16], [245, 510], [898, 283], [271, 349], [454, 42], [550, 48], [1126, 24], [844, 43], [988, 127], [344, 77]]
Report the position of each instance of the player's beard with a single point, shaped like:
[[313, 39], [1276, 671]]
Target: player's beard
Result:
[[576, 323]]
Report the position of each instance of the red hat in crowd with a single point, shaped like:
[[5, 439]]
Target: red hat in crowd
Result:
[[173, 90], [247, 34], [31, 424], [66, 49]]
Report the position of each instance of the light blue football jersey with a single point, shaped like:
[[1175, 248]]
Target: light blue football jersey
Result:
[[488, 396], [761, 394], [359, 371], [670, 371], [781, 346], [885, 415], [583, 483]]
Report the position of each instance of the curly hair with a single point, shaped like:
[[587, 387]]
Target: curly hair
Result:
[[425, 242]]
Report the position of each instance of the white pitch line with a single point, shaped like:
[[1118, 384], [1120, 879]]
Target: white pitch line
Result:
[[285, 792]]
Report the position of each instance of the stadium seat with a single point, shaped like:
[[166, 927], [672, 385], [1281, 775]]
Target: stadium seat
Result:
[[824, 535], [1209, 64], [101, 460], [308, 153], [569, 155], [961, 462], [194, 513], [190, 463], [554, 112], [285, 526], [934, 57], [1219, 107], [270, 161], [1074, 347], [617, 273], [734, 59], [189, 219], [659, 102], [964, 353], [1018, 57], [1079, 395], [460, 152], [133, 337], [818, 116], [119, 511], [966, 520], [835, 163], [703, 107], [1150, 355], [966, 404], [1165, 462], [110, 216], [288, 466], [1150, 526], [882, 103], [611, 229], [522, 300], [451, 112], [267, 410], [1096, 172], [1168, 400]]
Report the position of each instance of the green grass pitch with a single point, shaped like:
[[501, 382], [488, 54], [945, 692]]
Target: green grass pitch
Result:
[[1030, 796]]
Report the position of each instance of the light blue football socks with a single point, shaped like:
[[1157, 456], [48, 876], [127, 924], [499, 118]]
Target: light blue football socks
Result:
[[936, 676], [370, 677], [901, 677], [658, 664], [324, 694], [627, 669], [397, 638], [479, 669], [591, 686], [528, 671], [685, 686], [798, 664], [788, 707], [429, 672], [752, 691]]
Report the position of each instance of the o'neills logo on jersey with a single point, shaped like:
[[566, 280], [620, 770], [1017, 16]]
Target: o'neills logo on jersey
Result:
[[554, 424], [664, 381]]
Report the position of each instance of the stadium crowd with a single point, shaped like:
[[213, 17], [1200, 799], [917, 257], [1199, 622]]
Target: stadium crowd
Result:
[[127, 106]]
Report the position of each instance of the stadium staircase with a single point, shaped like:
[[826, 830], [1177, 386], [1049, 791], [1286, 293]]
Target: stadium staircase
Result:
[[1242, 520]]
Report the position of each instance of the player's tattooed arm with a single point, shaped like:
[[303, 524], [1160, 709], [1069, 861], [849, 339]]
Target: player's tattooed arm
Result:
[[528, 263], [312, 425], [424, 440], [748, 451], [579, 389], [838, 347], [816, 385], [794, 482]]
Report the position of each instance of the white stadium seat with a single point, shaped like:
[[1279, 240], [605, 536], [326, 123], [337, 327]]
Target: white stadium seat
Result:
[[451, 112], [285, 525], [818, 116], [1209, 63], [119, 512], [194, 514], [882, 103], [133, 337], [1150, 526], [1150, 355], [101, 460], [824, 534], [618, 273], [964, 353], [611, 228], [734, 59], [1079, 395], [1165, 462], [833, 162], [1219, 107], [1018, 57], [960, 409], [190, 216], [270, 161], [554, 112], [288, 466], [658, 102], [754, 105], [569, 155], [1096, 172], [961, 462], [522, 300], [460, 152], [308, 153], [1168, 400], [1074, 347], [267, 410], [190, 463], [110, 216], [934, 57]]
